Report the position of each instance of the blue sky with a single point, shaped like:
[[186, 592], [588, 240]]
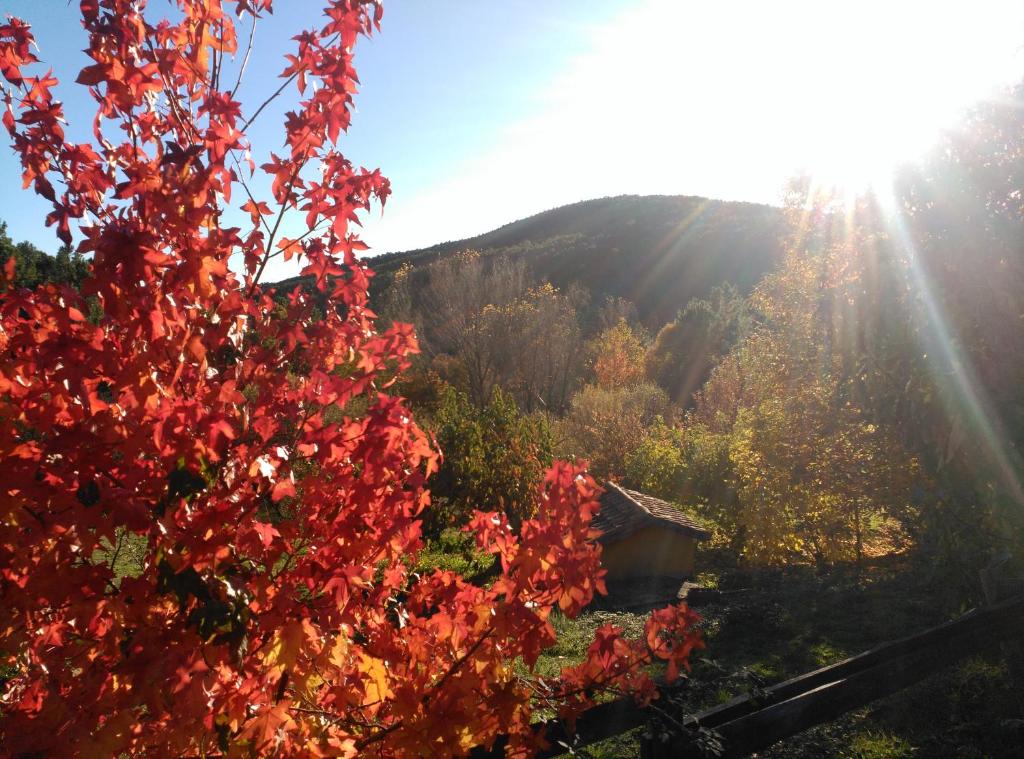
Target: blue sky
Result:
[[484, 112]]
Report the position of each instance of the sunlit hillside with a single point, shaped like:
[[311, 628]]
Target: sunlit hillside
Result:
[[657, 252]]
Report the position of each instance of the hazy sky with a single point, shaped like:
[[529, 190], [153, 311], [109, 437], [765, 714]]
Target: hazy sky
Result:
[[484, 112]]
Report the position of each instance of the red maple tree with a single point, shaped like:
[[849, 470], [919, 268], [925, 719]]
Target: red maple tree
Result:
[[178, 409]]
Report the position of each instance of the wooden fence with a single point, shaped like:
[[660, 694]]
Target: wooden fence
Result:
[[753, 722]]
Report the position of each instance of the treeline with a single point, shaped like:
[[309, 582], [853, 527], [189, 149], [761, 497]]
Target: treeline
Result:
[[34, 266], [864, 398], [657, 251]]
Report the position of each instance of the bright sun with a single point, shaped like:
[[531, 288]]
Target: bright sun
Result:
[[730, 98], [881, 81]]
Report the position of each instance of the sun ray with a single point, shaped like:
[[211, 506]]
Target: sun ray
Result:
[[968, 409]]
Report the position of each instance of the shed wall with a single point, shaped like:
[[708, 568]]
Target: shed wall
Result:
[[650, 552]]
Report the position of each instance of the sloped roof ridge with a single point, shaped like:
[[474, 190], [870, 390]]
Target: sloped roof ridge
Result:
[[628, 495], [658, 510]]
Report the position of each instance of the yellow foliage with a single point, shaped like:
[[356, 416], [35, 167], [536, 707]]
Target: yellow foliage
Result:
[[618, 357], [811, 472]]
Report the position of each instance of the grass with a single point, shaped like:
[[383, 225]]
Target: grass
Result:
[[453, 551], [879, 745], [574, 635], [124, 555], [773, 625]]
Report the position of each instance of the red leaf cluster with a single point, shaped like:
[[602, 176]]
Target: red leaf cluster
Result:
[[203, 547]]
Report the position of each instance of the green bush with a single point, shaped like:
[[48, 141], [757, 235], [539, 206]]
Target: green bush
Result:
[[494, 460]]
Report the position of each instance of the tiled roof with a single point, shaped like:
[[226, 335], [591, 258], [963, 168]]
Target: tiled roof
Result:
[[625, 511]]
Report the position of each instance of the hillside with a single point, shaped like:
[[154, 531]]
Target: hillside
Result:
[[657, 251]]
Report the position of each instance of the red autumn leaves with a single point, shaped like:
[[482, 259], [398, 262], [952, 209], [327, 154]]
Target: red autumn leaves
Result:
[[205, 538]]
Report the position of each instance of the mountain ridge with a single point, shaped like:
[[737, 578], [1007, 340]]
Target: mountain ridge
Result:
[[474, 241], [657, 251]]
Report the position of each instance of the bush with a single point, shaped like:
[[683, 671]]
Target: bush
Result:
[[494, 457], [605, 424]]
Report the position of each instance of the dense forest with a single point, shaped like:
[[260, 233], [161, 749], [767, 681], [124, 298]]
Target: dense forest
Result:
[[654, 251], [836, 379], [33, 266]]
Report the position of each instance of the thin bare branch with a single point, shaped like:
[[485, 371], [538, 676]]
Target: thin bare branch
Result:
[[245, 59]]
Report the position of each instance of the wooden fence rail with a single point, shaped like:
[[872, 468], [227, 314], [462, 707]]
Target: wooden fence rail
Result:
[[752, 722]]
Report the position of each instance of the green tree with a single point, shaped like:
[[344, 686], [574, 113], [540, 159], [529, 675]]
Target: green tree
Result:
[[33, 266], [603, 425], [811, 469], [687, 348], [658, 464], [494, 459], [957, 389]]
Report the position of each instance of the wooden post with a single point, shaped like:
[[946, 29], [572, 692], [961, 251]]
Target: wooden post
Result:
[[1000, 581], [647, 749], [654, 748]]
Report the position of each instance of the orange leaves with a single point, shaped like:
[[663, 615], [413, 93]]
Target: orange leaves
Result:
[[60, 217], [256, 210], [98, 395], [285, 175], [265, 427], [196, 349], [15, 41], [247, 547], [338, 652], [92, 75], [219, 432], [7, 273], [617, 663], [374, 672], [671, 635], [283, 488], [263, 730], [289, 247], [618, 357], [267, 533], [286, 646]]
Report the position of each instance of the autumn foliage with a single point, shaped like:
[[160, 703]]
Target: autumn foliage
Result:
[[176, 408]]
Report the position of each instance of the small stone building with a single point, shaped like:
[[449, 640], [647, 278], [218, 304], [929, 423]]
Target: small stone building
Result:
[[644, 536]]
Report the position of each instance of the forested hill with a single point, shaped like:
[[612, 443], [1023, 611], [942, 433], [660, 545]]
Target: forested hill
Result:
[[657, 251]]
